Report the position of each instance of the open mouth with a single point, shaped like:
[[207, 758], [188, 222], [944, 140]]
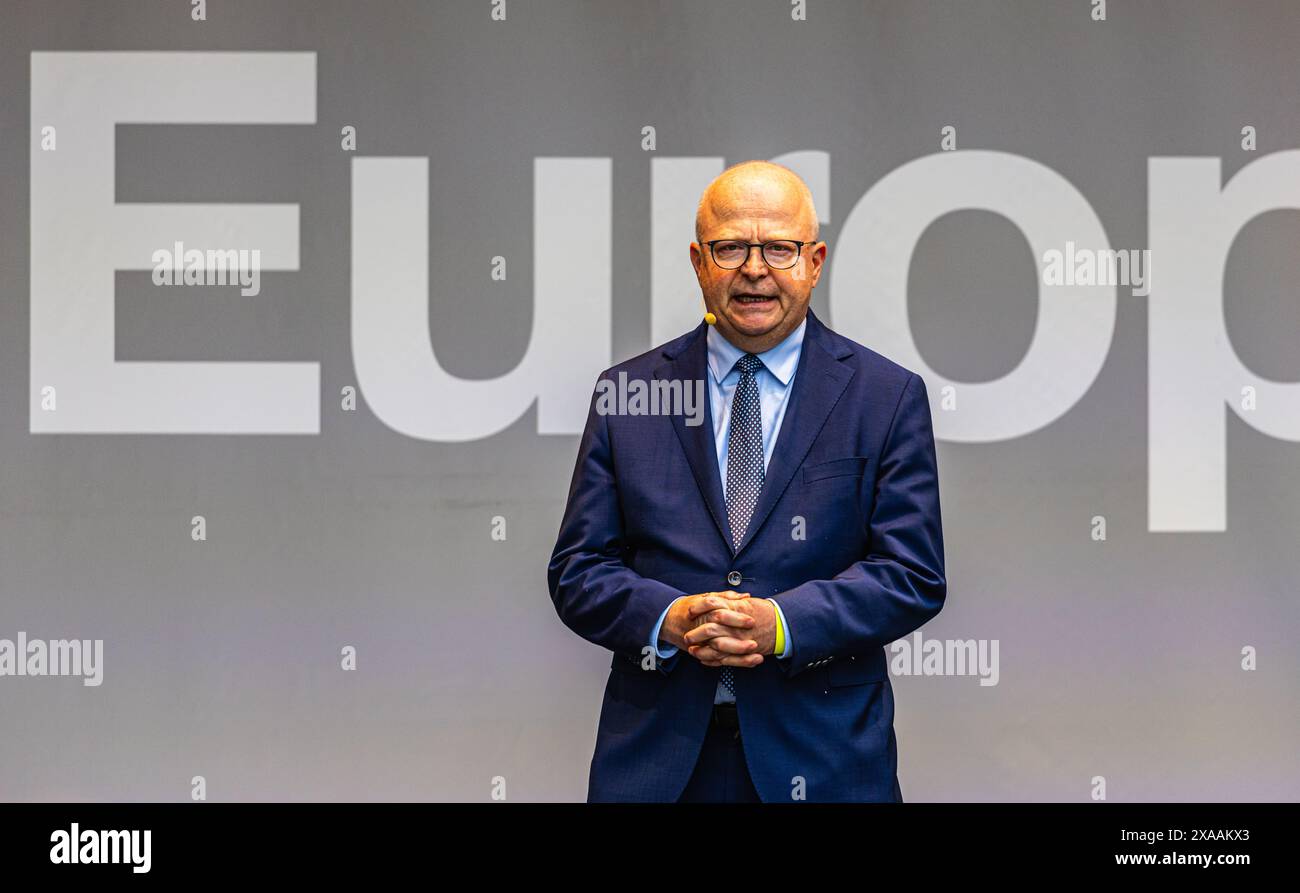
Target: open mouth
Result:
[[753, 299]]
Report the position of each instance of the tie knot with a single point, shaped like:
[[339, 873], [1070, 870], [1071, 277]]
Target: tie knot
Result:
[[749, 363]]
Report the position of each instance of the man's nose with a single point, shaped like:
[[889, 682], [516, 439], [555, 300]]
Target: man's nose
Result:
[[754, 265]]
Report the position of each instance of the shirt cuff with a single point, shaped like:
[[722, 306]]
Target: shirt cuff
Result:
[[654, 633], [785, 628]]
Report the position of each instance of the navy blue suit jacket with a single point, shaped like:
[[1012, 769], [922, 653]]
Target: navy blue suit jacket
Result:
[[854, 466]]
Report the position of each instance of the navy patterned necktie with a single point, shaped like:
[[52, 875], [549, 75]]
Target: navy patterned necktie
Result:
[[744, 464]]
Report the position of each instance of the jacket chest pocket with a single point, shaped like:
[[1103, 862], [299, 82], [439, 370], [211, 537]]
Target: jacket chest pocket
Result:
[[849, 466]]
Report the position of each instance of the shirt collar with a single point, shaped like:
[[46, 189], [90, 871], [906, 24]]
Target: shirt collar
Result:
[[780, 360]]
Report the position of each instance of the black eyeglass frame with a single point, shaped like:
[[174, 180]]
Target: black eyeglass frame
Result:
[[762, 251]]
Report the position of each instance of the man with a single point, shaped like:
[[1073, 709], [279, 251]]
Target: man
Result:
[[748, 573]]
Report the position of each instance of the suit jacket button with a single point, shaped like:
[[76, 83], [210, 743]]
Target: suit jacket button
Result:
[[734, 578]]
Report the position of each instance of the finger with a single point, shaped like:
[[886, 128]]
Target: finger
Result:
[[730, 618], [711, 658], [732, 645], [709, 651], [701, 634], [710, 602]]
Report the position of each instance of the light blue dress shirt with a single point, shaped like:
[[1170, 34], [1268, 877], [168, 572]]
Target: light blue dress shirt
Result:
[[774, 380]]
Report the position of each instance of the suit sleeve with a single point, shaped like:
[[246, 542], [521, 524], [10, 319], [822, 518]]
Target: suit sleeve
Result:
[[900, 584], [595, 593]]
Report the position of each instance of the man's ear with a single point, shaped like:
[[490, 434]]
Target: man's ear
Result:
[[697, 258]]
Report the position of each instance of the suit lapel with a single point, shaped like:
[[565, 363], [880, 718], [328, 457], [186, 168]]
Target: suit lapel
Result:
[[689, 365], [818, 383]]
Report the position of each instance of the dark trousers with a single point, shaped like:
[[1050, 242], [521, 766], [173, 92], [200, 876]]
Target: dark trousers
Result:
[[720, 775]]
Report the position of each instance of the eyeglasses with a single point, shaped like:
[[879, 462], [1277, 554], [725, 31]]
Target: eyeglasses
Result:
[[780, 254]]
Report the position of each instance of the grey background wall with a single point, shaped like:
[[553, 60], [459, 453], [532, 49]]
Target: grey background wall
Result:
[[1119, 658]]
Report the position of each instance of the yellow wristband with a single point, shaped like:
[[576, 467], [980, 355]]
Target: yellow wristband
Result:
[[780, 632]]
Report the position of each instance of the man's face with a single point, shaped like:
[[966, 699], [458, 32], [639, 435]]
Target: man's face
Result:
[[756, 305]]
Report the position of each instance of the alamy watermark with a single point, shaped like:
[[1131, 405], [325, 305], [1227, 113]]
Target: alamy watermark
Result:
[[55, 657], [89, 847], [1105, 266], [915, 656], [657, 397], [216, 266]]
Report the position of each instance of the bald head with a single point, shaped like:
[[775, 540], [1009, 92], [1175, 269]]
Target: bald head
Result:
[[756, 189], [755, 305]]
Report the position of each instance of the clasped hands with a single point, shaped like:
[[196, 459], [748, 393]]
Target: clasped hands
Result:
[[722, 628]]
